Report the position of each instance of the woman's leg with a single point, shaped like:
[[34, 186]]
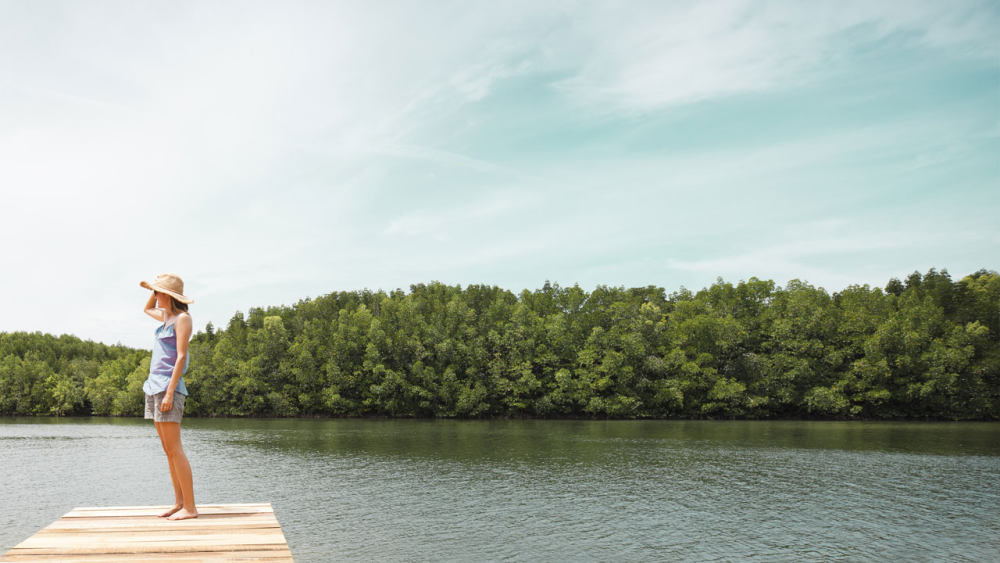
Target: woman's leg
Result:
[[178, 495], [171, 432]]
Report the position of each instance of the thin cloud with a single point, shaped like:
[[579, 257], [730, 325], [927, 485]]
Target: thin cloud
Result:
[[444, 224], [691, 52]]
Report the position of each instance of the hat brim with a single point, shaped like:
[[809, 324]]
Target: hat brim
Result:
[[152, 286]]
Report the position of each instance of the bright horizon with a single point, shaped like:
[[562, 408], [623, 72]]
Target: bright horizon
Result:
[[270, 152]]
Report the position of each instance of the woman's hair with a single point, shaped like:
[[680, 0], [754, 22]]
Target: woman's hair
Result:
[[178, 306]]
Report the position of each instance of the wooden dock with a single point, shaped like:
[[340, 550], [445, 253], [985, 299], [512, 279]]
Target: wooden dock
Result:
[[221, 532]]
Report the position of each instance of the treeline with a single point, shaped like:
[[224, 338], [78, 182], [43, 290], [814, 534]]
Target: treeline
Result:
[[923, 347]]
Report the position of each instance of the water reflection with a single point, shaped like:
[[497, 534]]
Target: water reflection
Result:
[[542, 490], [540, 440]]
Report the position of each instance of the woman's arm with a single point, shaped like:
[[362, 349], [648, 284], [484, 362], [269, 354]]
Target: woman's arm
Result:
[[182, 329], [151, 310]]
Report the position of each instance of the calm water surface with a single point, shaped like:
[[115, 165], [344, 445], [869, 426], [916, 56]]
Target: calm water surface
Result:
[[541, 490]]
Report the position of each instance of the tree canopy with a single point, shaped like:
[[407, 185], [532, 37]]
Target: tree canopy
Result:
[[923, 347]]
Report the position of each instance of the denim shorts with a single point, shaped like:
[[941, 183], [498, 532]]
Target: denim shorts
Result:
[[173, 415]]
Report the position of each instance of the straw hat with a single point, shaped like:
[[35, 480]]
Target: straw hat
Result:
[[171, 284]]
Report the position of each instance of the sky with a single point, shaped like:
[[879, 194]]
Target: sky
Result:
[[270, 152]]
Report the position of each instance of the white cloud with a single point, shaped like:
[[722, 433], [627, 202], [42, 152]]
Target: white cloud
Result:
[[676, 53]]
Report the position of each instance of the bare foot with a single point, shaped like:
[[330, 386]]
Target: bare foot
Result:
[[183, 514], [171, 510]]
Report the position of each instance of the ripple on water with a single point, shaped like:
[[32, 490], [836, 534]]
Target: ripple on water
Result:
[[543, 490]]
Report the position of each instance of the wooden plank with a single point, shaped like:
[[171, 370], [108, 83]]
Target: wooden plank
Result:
[[70, 525], [156, 510], [222, 532], [54, 554], [276, 555], [147, 541], [180, 526], [266, 505], [201, 516], [189, 557], [139, 542]]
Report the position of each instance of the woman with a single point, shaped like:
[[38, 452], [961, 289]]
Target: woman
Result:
[[165, 390]]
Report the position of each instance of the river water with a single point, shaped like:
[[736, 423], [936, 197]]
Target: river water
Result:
[[406, 490]]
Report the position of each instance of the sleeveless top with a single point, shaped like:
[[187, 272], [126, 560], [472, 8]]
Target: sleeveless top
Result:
[[161, 366]]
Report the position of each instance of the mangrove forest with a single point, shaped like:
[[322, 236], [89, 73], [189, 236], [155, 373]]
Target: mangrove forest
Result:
[[925, 347]]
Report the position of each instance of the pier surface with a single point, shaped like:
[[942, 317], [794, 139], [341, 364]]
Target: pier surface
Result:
[[221, 532]]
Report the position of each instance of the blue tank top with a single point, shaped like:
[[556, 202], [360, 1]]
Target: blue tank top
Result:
[[161, 366]]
